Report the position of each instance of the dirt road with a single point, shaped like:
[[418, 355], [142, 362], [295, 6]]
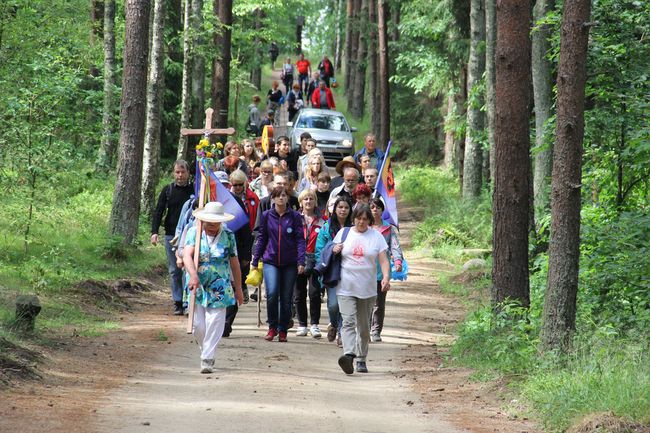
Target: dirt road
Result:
[[273, 387], [145, 377]]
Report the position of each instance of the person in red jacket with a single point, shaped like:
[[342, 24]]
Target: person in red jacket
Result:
[[322, 97]]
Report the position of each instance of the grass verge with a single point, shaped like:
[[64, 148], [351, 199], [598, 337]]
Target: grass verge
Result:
[[67, 243]]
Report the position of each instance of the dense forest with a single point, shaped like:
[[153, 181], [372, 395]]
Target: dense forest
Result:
[[530, 116]]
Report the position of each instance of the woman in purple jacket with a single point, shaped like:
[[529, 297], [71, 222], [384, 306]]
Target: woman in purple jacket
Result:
[[281, 247]]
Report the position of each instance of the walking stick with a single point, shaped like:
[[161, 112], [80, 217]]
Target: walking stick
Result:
[[259, 305], [197, 249]]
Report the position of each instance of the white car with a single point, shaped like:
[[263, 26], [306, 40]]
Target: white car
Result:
[[329, 128]]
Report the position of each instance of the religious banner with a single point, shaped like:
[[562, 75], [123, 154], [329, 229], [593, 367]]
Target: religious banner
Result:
[[230, 205]]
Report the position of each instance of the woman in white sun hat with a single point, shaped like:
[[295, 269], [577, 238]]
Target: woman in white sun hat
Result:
[[218, 271]]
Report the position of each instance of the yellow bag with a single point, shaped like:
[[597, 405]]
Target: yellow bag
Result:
[[254, 277]]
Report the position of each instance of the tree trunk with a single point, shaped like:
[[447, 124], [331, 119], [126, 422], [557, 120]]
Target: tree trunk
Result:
[[396, 18], [109, 143], [156, 84], [461, 106], [354, 46], [348, 41], [96, 31], [559, 316], [126, 197], [473, 167], [186, 96], [256, 72], [198, 66], [512, 144], [359, 91], [373, 83], [338, 44], [221, 63], [490, 80], [384, 86], [173, 80], [543, 96], [448, 159]]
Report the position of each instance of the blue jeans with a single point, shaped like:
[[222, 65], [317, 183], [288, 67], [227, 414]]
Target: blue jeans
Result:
[[175, 273], [303, 82], [333, 308], [279, 281]]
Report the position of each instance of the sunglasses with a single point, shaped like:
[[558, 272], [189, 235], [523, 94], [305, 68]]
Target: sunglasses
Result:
[[237, 184]]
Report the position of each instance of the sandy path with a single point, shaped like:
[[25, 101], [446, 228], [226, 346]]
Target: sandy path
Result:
[[274, 387]]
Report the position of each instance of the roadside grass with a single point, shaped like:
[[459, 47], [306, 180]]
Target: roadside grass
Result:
[[607, 370], [452, 229], [67, 244], [603, 374]]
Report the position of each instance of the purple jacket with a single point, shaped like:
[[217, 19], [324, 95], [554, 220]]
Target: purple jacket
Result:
[[281, 241]]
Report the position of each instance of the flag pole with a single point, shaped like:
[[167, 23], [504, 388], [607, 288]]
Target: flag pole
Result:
[[197, 249]]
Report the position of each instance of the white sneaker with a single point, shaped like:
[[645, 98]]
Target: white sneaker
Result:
[[302, 331], [375, 338], [315, 331], [206, 366]]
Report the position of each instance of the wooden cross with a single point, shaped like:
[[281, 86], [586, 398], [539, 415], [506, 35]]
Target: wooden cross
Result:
[[208, 129]]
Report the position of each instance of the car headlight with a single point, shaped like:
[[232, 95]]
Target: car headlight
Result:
[[346, 143]]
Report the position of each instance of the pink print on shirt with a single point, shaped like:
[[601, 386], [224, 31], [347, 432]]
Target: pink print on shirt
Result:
[[357, 252]]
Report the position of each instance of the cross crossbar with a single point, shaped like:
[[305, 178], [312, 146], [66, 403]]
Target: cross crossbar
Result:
[[207, 129]]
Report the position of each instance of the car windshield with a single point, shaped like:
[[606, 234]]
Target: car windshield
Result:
[[322, 121]]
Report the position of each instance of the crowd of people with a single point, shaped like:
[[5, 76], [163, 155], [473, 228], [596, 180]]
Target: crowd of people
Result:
[[303, 87], [298, 218]]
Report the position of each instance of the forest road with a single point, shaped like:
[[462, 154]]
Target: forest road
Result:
[[261, 386], [144, 377]]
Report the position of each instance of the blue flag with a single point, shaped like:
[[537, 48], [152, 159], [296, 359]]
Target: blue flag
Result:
[[230, 205], [386, 188]]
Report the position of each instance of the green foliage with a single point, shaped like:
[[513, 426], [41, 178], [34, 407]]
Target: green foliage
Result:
[[505, 340], [603, 373], [617, 135], [433, 46], [429, 57], [615, 259], [450, 225], [68, 244]]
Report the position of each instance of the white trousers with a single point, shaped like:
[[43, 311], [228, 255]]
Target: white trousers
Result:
[[208, 329]]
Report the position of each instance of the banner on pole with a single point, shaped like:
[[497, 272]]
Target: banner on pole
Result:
[[386, 188], [217, 192]]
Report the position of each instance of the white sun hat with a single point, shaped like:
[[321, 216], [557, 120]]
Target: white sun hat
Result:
[[213, 212]]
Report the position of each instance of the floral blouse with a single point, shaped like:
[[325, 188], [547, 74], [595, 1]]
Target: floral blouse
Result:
[[216, 289]]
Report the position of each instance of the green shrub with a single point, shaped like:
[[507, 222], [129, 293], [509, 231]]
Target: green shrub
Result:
[[614, 267], [505, 341], [450, 224]]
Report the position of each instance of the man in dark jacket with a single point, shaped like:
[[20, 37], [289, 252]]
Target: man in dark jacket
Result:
[[170, 203], [326, 70]]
